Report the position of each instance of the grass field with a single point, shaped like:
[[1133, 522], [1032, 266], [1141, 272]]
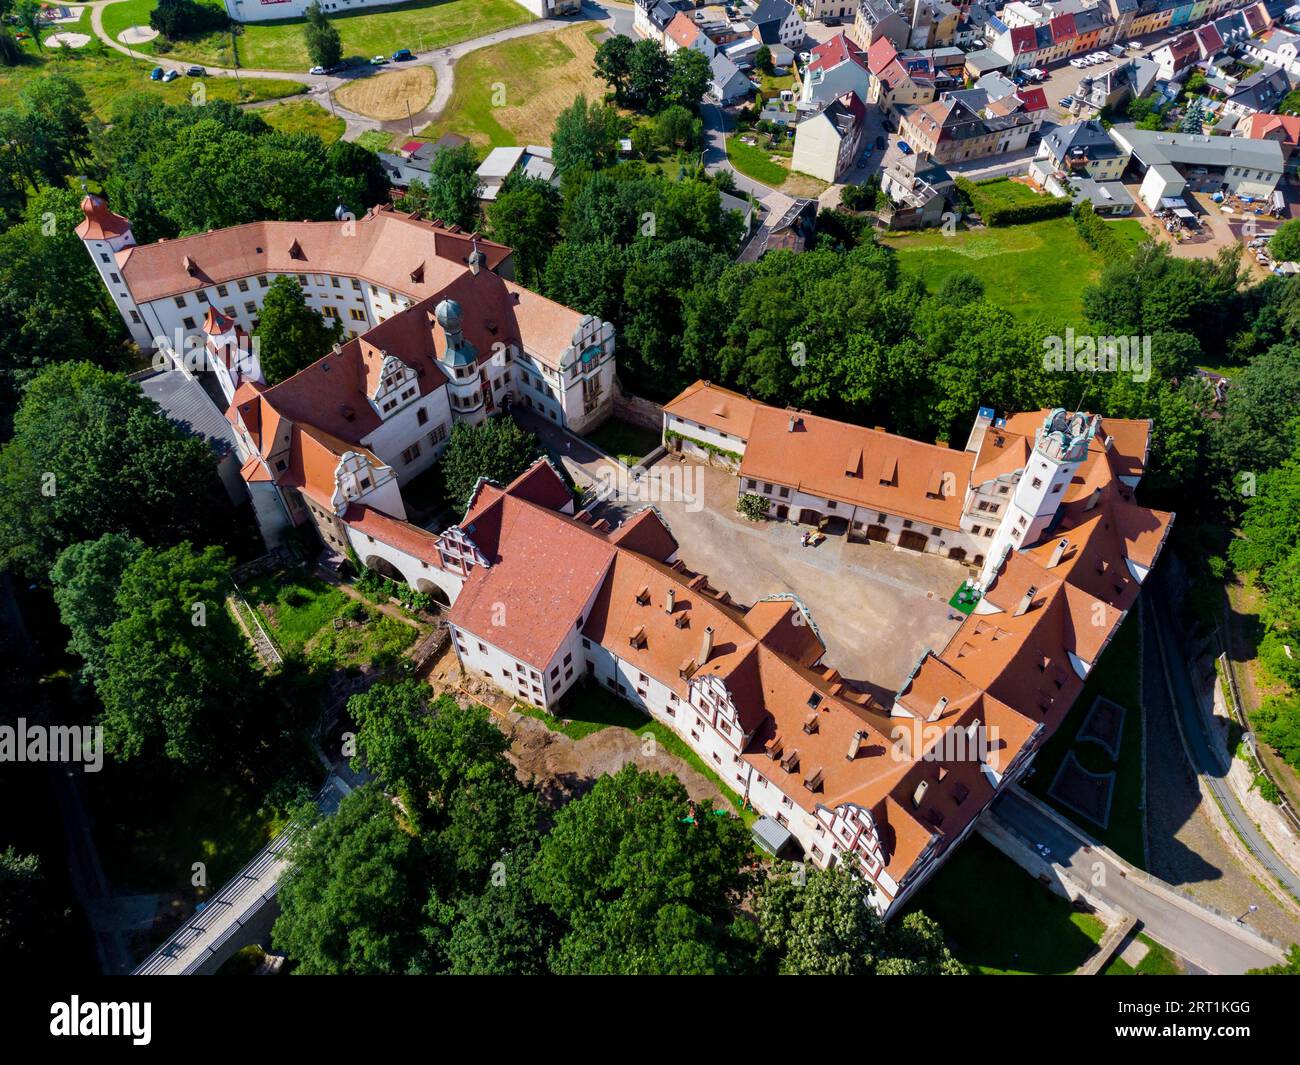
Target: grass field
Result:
[[397, 92], [1158, 962], [771, 168], [1115, 677], [1036, 268], [1002, 192], [376, 140], [106, 76], [513, 92], [303, 116], [378, 31], [1001, 921]]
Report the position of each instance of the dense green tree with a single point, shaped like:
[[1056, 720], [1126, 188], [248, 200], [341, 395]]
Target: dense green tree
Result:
[[498, 450], [585, 137], [451, 195], [1290, 967], [353, 900], [647, 75], [176, 19], [587, 276], [59, 104], [1285, 242], [613, 63], [291, 335], [324, 45], [85, 578], [1255, 432], [818, 922], [53, 305], [504, 931], [641, 880], [676, 127], [526, 217], [359, 181], [177, 678], [688, 78], [92, 455]]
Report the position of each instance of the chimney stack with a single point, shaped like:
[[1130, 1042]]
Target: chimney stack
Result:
[[939, 708], [1057, 552], [1026, 600], [1093, 499], [706, 644], [854, 744], [670, 601], [790, 426]]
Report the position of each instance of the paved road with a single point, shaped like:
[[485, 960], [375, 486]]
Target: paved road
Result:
[[1181, 925], [1201, 751]]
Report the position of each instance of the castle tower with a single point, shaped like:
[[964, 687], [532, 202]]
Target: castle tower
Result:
[[105, 234], [1060, 448], [459, 359], [229, 353]]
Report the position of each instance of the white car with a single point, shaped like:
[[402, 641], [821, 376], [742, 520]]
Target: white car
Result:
[[378, 60], [316, 70], [1134, 46], [1101, 57], [1078, 63]]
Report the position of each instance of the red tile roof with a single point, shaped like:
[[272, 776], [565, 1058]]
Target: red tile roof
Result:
[[839, 49], [100, 223], [718, 408]]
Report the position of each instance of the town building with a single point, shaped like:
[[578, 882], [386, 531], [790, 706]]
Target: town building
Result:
[[827, 143], [727, 82], [534, 162], [1242, 166], [1082, 162], [876, 19], [1262, 91], [415, 159], [1285, 129], [836, 66], [1114, 86], [651, 18], [439, 334], [777, 22], [920, 191], [952, 131], [891, 786]]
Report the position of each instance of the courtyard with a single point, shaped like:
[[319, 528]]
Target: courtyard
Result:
[[876, 607]]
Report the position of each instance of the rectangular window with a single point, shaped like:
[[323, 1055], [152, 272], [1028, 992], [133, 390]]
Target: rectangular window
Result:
[[243, 285], [223, 290], [180, 301], [357, 314], [262, 282], [421, 416], [189, 323]]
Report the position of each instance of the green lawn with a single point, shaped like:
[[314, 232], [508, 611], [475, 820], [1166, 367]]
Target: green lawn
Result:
[[755, 161], [1001, 921], [376, 140], [420, 27], [1115, 677], [294, 607], [627, 442], [588, 708], [512, 93], [1002, 192], [106, 76], [304, 116], [1035, 268], [1158, 962]]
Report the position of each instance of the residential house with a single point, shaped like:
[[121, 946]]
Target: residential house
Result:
[[1177, 58], [1277, 47], [1081, 161], [1262, 91], [837, 66], [953, 131], [1126, 80], [934, 24], [787, 223], [651, 18], [685, 32], [819, 10], [415, 159], [777, 22], [880, 18], [984, 61], [827, 143], [727, 83], [919, 189], [1285, 129]]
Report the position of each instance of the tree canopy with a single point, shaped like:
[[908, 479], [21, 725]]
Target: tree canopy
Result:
[[291, 335], [497, 449]]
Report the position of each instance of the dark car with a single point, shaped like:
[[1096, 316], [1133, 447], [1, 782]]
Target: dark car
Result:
[[402, 54], [195, 72], [880, 142], [156, 74]]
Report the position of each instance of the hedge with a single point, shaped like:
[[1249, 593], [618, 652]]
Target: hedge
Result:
[[1018, 214], [1096, 234]]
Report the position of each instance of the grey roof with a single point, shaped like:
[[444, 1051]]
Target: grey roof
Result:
[[771, 11], [185, 402], [1100, 193], [1154, 148], [982, 60], [771, 836], [1087, 136], [1262, 91]]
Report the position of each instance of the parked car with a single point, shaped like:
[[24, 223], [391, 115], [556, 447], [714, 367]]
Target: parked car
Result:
[[378, 60], [1134, 46], [403, 54], [156, 74], [881, 142], [171, 75], [1115, 49], [195, 72], [1067, 101], [317, 70], [904, 147]]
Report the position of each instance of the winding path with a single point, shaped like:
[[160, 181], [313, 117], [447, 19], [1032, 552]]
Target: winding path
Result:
[[442, 60]]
